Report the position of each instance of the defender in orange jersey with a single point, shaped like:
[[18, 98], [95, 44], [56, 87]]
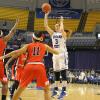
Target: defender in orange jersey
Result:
[[3, 42], [19, 66], [34, 67]]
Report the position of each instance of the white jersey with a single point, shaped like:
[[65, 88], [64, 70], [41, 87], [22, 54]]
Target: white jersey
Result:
[[59, 43], [60, 62]]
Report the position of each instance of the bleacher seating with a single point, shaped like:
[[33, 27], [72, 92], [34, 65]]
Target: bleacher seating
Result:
[[12, 13], [92, 19], [68, 24], [82, 39]]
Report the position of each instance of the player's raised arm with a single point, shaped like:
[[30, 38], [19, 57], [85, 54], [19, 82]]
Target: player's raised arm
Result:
[[66, 33], [62, 27], [53, 51], [48, 29], [12, 32], [61, 24]]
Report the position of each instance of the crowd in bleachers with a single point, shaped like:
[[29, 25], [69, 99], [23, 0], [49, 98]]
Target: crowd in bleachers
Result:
[[80, 76]]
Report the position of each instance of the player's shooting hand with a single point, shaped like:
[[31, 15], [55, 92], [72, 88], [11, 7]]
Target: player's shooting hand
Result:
[[47, 13], [61, 18]]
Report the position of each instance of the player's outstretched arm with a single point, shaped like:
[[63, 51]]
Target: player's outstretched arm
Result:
[[48, 29], [8, 62], [62, 27], [8, 55], [12, 32], [61, 24], [51, 50], [65, 34], [15, 53]]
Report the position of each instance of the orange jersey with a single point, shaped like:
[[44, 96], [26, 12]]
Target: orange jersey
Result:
[[2, 47], [36, 52], [21, 60], [20, 66], [36, 69]]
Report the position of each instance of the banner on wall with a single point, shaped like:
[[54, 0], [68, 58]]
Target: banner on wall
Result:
[[66, 13], [59, 4]]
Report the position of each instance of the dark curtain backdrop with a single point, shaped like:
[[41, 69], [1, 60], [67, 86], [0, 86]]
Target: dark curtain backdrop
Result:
[[84, 59], [79, 59]]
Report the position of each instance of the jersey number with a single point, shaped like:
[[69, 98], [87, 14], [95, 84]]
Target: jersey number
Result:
[[56, 45], [36, 51], [56, 41]]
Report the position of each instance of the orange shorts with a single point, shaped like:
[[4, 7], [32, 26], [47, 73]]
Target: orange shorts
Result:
[[1, 71], [34, 71], [18, 74]]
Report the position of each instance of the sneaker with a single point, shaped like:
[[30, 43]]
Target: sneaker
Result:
[[55, 93], [10, 90], [11, 97], [62, 94]]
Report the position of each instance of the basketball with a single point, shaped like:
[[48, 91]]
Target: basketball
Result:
[[46, 7]]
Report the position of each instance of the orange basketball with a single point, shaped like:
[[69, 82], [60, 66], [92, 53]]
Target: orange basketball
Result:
[[46, 7]]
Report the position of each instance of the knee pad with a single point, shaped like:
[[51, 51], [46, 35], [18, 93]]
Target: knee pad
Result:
[[46, 89], [16, 84], [64, 78], [63, 74], [57, 76]]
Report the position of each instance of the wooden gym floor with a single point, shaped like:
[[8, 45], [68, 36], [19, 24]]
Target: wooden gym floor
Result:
[[75, 92]]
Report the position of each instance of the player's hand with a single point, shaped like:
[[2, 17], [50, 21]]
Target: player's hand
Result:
[[61, 18], [47, 13], [17, 21]]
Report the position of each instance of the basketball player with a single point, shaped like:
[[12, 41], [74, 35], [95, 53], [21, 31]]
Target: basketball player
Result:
[[60, 62], [3, 43], [19, 68], [34, 67]]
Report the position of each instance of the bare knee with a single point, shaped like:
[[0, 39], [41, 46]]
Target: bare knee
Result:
[[46, 89]]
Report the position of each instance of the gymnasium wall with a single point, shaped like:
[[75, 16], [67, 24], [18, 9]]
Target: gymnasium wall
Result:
[[8, 14], [84, 59], [77, 4], [16, 3], [24, 4], [93, 4], [32, 4]]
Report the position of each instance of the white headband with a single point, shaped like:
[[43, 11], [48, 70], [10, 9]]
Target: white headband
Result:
[[1, 33], [40, 39]]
